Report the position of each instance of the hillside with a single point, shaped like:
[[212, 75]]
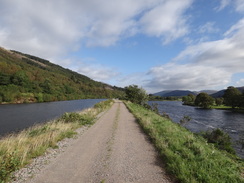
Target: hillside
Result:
[[174, 93], [26, 78], [181, 93], [221, 92]]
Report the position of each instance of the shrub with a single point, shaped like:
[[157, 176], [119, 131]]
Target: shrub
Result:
[[76, 117], [9, 163], [220, 139]]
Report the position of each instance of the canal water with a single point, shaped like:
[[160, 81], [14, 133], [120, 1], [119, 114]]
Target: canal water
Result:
[[16, 117], [206, 119]]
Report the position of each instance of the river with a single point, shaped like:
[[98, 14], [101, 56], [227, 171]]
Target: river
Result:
[[16, 117], [206, 119]]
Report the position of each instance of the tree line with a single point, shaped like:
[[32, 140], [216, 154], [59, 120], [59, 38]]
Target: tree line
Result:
[[232, 97]]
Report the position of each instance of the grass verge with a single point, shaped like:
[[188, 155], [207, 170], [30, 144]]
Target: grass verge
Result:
[[188, 157], [17, 150]]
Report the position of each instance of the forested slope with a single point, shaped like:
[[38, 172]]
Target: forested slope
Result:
[[26, 78]]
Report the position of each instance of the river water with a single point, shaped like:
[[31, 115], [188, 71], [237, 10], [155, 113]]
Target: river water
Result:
[[206, 119], [16, 117]]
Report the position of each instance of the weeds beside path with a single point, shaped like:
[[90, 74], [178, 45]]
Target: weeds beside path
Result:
[[188, 156], [114, 149], [18, 150]]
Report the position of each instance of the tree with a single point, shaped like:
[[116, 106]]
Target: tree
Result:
[[204, 100], [136, 95], [219, 101], [232, 97], [189, 99]]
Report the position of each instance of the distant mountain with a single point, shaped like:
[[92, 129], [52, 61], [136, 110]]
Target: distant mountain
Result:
[[174, 93], [220, 93], [210, 92], [181, 93], [162, 93], [27, 78]]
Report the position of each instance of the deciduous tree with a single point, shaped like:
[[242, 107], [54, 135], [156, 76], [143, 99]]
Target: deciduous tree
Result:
[[204, 100], [136, 95]]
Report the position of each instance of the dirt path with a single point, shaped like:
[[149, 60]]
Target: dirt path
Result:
[[113, 150]]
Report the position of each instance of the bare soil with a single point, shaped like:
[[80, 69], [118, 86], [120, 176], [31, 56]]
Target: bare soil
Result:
[[113, 150]]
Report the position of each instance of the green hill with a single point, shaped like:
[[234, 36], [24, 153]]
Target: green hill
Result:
[[26, 78]]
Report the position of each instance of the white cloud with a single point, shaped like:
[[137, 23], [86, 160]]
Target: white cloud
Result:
[[138, 78], [166, 20], [50, 28], [239, 4], [209, 64], [223, 4], [240, 83], [96, 71], [187, 76], [209, 27]]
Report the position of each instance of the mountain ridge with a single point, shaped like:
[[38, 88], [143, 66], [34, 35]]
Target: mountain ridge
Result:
[[181, 93], [27, 78]]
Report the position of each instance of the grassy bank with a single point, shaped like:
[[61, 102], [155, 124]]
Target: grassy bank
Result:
[[17, 150], [187, 156]]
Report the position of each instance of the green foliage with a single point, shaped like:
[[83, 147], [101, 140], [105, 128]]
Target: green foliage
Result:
[[74, 117], [38, 131], [232, 97], [46, 81], [66, 134], [186, 119], [136, 95], [189, 99], [159, 98], [39, 97], [103, 105], [9, 163], [204, 100], [220, 139], [219, 101], [187, 156]]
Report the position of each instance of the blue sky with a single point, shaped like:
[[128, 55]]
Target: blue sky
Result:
[[156, 44]]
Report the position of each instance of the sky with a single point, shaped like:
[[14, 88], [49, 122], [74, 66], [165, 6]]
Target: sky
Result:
[[155, 44]]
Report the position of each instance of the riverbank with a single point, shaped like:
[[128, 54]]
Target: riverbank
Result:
[[18, 150], [221, 107], [188, 156]]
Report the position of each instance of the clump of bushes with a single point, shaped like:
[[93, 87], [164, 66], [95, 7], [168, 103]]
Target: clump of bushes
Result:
[[73, 117], [10, 162], [220, 139]]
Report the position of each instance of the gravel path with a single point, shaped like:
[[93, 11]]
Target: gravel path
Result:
[[113, 150]]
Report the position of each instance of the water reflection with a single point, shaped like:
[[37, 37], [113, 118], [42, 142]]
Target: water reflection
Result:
[[15, 117]]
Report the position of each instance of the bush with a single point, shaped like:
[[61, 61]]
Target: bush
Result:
[[9, 163], [136, 95], [220, 139], [76, 117]]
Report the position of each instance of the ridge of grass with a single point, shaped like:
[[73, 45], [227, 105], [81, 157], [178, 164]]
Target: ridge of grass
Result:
[[188, 157], [17, 150]]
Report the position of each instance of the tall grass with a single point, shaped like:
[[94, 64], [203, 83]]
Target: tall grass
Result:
[[187, 156], [17, 150]]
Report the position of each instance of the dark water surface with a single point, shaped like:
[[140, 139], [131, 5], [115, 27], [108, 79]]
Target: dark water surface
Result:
[[206, 119], [15, 117]]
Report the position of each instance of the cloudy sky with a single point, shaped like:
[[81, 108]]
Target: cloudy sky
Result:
[[156, 44]]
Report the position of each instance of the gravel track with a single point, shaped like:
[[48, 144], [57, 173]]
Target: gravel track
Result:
[[113, 150]]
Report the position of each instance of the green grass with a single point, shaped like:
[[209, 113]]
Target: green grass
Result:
[[188, 157], [223, 107], [17, 150]]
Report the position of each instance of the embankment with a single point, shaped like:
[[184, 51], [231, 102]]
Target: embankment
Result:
[[188, 156]]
